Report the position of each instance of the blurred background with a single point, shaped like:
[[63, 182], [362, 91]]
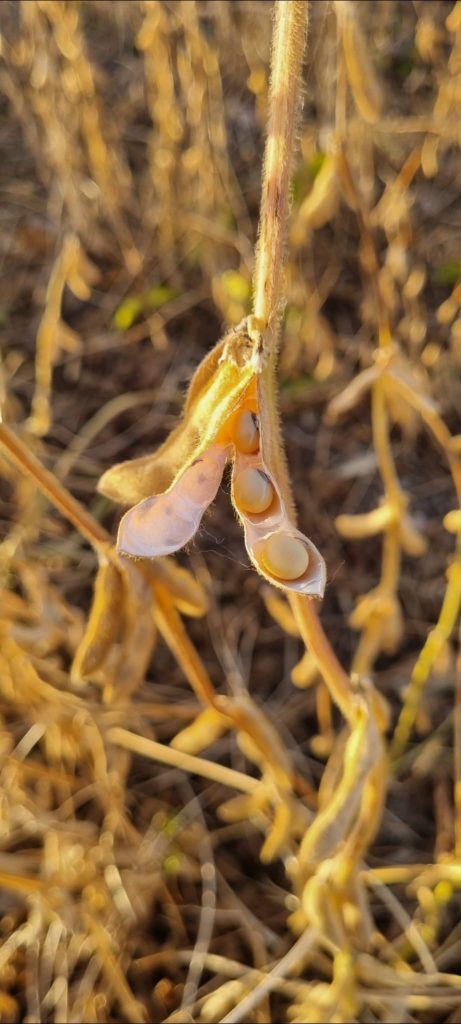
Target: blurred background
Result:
[[131, 138]]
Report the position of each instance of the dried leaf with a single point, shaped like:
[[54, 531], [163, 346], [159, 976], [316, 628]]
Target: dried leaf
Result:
[[367, 525], [71, 268], [380, 612]]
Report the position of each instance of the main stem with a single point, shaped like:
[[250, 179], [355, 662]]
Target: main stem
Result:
[[284, 107]]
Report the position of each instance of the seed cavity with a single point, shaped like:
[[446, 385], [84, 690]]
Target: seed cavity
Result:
[[253, 491], [284, 556], [245, 434]]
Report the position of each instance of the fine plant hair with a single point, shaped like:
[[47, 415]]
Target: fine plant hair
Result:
[[216, 803]]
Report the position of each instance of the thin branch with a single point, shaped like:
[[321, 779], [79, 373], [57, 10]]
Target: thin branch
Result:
[[54, 490], [145, 747]]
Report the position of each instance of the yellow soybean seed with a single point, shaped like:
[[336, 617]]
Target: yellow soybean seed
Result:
[[246, 433], [285, 557], [253, 491]]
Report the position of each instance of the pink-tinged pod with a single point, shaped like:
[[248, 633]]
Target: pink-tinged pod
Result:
[[166, 522]]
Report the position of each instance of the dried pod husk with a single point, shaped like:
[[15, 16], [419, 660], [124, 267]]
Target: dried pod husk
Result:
[[206, 728], [187, 593], [321, 204], [413, 542], [120, 635], [380, 611], [164, 523], [367, 524], [224, 999], [280, 610], [353, 393], [360, 73], [452, 521], [276, 522], [214, 393], [335, 820], [103, 624], [305, 672], [139, 633]]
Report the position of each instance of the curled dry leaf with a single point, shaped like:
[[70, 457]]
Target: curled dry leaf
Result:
[[230, 412], [381, 519], [117, 644], [412, 541]]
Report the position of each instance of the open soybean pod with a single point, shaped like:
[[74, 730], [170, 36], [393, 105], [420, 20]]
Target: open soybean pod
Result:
[[164, 523], [261, 495], [173, 487], [214, 394]]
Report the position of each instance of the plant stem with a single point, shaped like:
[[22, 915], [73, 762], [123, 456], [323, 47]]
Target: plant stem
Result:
[[436, 641], [145, 747], [284, 107], [338, 682], [54, 490]]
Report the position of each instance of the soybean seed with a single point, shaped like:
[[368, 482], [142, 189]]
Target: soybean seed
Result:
[[253, 491], [246, 433], [285, 557]]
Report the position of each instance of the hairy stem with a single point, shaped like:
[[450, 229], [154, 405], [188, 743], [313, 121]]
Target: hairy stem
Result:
[[284, 107]]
